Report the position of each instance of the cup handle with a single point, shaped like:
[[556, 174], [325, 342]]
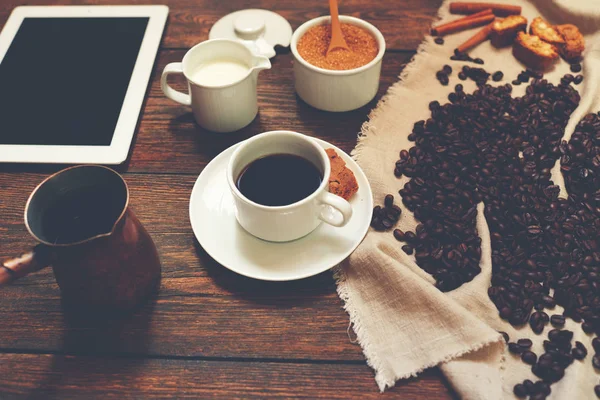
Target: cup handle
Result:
[[37, 258], [181, 98], [340, 205]]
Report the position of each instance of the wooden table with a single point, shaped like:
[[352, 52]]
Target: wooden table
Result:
[[210, 333]]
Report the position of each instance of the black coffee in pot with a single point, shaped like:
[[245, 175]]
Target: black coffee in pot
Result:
[[80, 214]]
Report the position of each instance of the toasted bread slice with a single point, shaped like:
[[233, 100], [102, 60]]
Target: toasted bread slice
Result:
[[342, 181], [574, 42], [504, 31], [534, 52], [541, 28]]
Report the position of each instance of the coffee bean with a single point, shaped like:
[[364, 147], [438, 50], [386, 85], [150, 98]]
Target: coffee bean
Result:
[[542, 388], [525, 343], [497, 76], [579, 352], [478, 61], [523, 77], [578, 79], [505, 312], [587, 327], [516, 82], [575, 67], [556, 335], [597, 390], [515, 348], [519, 390], [557, 320], [529, 357], [462, 76], [458, 88], [399, 235], [555, 373], [438, 40], [408, 249], [505, 336], [389, 200], [545, 361], [538, 328], [596, 344], [447, 69], [529, 387], [549, 301], [596, 361]]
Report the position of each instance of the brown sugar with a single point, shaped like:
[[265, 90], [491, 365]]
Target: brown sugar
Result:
[[313, 46]]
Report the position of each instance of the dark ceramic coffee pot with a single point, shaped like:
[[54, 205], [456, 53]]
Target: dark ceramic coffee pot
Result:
[[100, 253]]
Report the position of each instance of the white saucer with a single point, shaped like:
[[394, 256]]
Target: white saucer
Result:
[[212, 214]]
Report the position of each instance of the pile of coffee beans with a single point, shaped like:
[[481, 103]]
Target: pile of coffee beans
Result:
[[442, 75], [550, 366], [462, 56], [479, 75], [490, 147], [385, 217], [525, 75]]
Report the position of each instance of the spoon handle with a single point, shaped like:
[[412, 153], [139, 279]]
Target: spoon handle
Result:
[[335, 19]]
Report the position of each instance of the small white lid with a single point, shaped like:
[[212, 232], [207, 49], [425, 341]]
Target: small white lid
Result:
[[258, 29]]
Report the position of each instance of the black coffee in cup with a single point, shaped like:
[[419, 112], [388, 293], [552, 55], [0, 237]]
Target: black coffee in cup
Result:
[[279, 180]]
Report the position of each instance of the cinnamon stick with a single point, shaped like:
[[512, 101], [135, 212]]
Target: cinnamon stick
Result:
[[501, 10], [476, 39], [434, 30], [464, 24]]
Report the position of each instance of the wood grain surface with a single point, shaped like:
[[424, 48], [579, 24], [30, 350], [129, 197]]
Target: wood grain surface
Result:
[[402, 23], [209, 333], [65, 377]]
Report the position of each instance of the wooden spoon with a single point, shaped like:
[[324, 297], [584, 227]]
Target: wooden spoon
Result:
[[337, 38]]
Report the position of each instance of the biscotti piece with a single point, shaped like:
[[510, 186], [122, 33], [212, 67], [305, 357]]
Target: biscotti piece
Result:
[[505, 31], [574, 42], [534, 52], [342, 181], [541, 28]]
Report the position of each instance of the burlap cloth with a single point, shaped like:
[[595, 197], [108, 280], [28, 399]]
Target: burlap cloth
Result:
[[403, 323]]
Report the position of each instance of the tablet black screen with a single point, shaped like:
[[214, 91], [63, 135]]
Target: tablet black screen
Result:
[[63, 80]]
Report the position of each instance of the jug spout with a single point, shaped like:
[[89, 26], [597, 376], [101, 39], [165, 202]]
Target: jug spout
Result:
[[260, 63]]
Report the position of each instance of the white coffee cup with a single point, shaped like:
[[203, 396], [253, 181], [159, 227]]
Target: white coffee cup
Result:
[[293, 221], [219, 108]]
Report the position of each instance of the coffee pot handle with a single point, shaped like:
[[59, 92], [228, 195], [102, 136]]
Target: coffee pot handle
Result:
[[31, 261], [181, 98]]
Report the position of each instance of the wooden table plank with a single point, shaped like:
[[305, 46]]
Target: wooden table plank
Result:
[[60, 377], [402, 24]]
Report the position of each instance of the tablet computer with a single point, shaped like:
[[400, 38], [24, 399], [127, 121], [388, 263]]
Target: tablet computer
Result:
[[73, 80]]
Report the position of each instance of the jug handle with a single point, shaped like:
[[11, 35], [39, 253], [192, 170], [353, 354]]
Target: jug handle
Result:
[[31, 261], [181, 98]]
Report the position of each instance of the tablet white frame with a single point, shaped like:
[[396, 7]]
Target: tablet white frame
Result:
[[118, 150]]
